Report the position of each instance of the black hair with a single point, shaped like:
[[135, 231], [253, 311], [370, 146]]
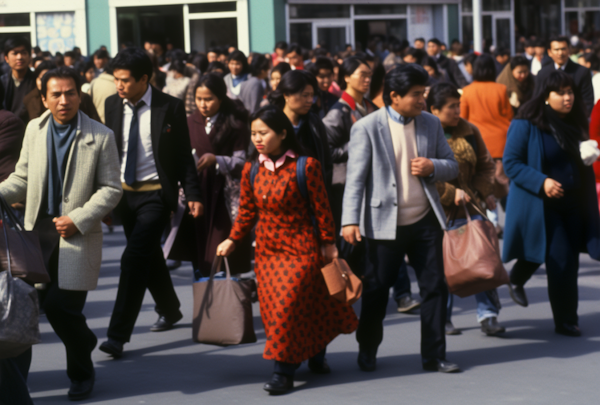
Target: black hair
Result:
[[418, 54], [593, 60], [216, 65], [135, 60], [470, 58], [402, 78], [348, 68], [1, 96], [281, 45], [484, 69], [239, 56], [200, 61], [399, 46], [377, 79], [439, 95], [177, 54], [365, 56], [282, 68], [259, 64], [294, 48], [61, 72], [429, 61], [178, 66], [101, 54], [45, 65], [232, 114], [420, 39], [293, 82], [70, 54], [529, 43], [558, 38], [276, 119], [16, 42], [533, 110], [518, 60], [215, 49], [320, 52], [435, 41], [84, 67], [320, 63], [502, 52]]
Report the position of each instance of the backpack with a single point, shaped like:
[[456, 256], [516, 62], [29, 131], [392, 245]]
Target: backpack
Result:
[[300, 175]]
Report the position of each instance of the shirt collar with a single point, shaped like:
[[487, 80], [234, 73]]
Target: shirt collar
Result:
[[563, 67], [212, 119], [268, 163], [146, 98], [397, 117]]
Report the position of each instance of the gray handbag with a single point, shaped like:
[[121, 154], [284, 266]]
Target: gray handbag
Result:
[[19, 310]]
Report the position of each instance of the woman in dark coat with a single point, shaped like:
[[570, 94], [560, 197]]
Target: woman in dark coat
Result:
[[552, 211], [219, 135]]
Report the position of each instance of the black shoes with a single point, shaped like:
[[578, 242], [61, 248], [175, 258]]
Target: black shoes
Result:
[[517, 293], [367, 359], [319, 367], [451, 330], [163, 323], [81, 390], [112, 347], [568, 330], [442, 366], [279, 384], [407, 304], [491, 327]]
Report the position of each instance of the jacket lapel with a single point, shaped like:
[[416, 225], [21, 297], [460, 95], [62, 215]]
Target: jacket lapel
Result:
[[157, 116], [84, 135], [421, 135], [39, 159], [117, 123], [386, 135]]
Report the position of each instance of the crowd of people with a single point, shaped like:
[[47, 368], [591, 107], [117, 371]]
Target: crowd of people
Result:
[[284, 162]]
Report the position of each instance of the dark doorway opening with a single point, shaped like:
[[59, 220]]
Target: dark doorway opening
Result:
[[162, 24]]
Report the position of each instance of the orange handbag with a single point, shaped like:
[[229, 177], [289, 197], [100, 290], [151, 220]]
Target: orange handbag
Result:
[[342, 283]]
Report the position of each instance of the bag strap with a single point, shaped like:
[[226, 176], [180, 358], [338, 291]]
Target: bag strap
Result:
[[216, 267], [301, 176], [253, 173], [8, 213]]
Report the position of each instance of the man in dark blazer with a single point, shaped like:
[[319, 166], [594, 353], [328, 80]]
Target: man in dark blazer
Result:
[[154, 147], [434, 49], [20, 80], [558, 50]]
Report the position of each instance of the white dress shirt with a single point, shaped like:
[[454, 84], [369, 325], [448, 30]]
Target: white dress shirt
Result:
[[146, 166], [557, 66], [210, 123]]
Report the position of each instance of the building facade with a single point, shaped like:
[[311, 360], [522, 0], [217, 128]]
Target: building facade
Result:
[[255, 25]]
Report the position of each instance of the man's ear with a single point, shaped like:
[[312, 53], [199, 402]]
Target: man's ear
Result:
[[44, 101], [284, 134]]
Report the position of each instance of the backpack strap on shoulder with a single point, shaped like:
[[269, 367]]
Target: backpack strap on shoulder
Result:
[[253, 173], [301, 176]]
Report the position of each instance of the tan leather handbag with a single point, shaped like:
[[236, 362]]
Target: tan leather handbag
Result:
[[341, 282], [223, 309], [472, 261]]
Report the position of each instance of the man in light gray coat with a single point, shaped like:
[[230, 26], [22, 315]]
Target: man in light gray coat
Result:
[[69, 174], [396, 155]]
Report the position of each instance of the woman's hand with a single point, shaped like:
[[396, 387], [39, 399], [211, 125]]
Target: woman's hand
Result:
[[490, 202], [553, 188], [459, 195], [226, 248], [329, 252], [206, 160]]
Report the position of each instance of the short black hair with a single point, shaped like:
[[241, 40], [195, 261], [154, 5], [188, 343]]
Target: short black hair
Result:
[[420, 39], [293, 82], [70, 54], [518, 60], [320, 63], [319, 52], [593, 59], [281, 45], [16, 42], [435, 41], [348, 68], [501, 51], [294, 48], [239, 56], [101, 54], [61, 72], [402, 78], [259, 64], [45, 65], [215, 49], [276, 119], [418, 54], [135, 60], [484, 69], [282, 68], [558, 38], [470, 58], [439, 95]]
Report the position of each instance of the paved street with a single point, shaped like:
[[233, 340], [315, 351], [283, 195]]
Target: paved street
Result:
[[530, 365]]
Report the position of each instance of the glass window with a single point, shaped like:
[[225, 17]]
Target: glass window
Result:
[[582, 3], [503, 33], [207, 33], [467, 32], [377, 9], [301, 34], [572, 23], [495, 5], [212, 7], [332, 38], [467, 6], [319, 11], [14, 20]]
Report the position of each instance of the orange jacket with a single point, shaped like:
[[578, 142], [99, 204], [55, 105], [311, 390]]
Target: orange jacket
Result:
[[486, 105]]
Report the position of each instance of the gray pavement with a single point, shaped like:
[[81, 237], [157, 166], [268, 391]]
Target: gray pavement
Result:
[[529, 365]]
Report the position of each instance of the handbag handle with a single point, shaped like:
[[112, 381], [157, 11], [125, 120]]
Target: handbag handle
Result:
[[216, 267], [7, 212]]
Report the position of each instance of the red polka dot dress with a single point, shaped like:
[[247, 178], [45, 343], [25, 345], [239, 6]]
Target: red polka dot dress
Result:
[[299, 315]]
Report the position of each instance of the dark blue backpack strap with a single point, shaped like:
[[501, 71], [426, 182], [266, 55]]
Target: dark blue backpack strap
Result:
[[253, 173], [301, 176]]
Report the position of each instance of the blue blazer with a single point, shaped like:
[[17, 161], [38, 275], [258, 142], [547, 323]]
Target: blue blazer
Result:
[[370, 196], [525, 228]]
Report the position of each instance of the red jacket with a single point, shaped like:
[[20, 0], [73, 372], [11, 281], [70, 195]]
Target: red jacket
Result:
[[595, 135]]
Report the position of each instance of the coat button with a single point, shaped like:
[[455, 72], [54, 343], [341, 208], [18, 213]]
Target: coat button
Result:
[[395, 204], [264, 197], [66, 199], [393, 185]]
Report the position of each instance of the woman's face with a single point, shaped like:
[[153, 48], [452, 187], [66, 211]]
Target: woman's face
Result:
[[38, 81], [275, 79], [300, 103], [235, 67], [89, 75], [449, 114], [521, 73], [562, 101], [360, 80], [208, 104], [265, 140]]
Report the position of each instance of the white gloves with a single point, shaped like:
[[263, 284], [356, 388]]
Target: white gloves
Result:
[[589, 152]]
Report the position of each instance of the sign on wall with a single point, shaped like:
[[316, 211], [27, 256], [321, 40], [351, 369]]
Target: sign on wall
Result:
[[55, 31]]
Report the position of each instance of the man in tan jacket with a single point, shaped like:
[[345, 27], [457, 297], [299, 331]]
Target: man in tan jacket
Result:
[[68, 172]]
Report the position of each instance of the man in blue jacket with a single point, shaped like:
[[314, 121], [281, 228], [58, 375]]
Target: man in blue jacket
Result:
[[396, 155]]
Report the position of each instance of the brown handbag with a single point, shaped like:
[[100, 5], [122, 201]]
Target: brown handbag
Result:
[[223, 309], [472, 261], [26, 258], [341, 282]]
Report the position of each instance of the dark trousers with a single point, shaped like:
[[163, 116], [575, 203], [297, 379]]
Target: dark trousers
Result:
[[13, 379], [422, 242], [144, 216], [564, 230], [289, 369], [402, 284], [64, 311]]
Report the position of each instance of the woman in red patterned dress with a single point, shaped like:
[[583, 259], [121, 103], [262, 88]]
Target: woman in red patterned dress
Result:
[[299, 315]]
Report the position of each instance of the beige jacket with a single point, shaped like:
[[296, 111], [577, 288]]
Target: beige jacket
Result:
[[102, 88], [92, 188]]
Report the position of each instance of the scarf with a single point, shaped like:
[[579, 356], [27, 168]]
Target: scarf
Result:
[[524, 90], [567, 134], [237, 80], [60, 139]]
